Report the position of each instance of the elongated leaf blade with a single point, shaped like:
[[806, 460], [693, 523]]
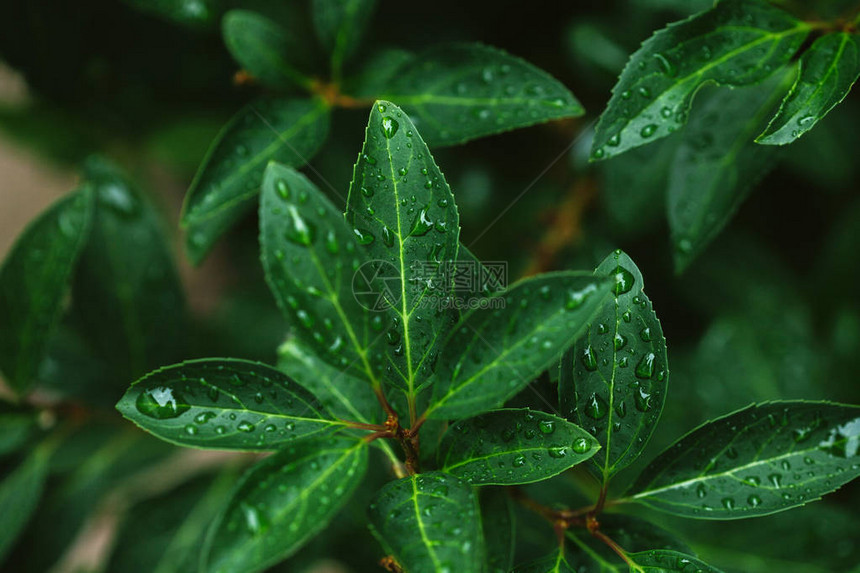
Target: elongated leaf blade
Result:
[[499, 348], [459, 92], [499, 525], [664, 561], [34, 280], [263, 48], [282, 502], [717, 164], [226, 404], [828, 69], [403, 212], [19, 495], [759, 460], [339, 392], [510, 447], [340, 26], [613, 381], [193, 14], [289, 131], [429, 522], [737, 43], [127, 296], [311, 259]]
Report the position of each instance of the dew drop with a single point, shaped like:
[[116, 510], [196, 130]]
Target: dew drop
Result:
[[161, 403], [580, 445], [597, 407], [389, 127], [645, 368], [546, 426]]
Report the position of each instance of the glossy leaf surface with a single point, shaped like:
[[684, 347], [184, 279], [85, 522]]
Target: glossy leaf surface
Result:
[[402, 211], [496, 350], [459, 92], [429, 522], [312, 259], [756, 461], [509, 447], [289, 131], [127, 295], [34, 279], [737, 43], [224, 404], [663, 561], [339, 392], [614, 380], [263, 48], [828, 69], [282, 502], [716, 165], [555, 563]]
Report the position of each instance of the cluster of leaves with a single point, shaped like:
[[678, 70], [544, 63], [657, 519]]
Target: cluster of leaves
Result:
[[729, 142], [389, 406], [454, 92]]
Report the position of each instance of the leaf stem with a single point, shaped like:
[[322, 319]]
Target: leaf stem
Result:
[[616, 548], [331, 94]]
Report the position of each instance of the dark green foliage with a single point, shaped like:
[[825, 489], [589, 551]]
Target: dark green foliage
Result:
[[444, 356]]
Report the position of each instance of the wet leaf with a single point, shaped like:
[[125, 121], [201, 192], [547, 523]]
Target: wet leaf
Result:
[[403, 213], [282, 502], [509, 447], [759, 460], [34, 280], [312, 258], [225, 404], [555, 563], [662, 561], [128, 300], [263, 48], [430, 523], [828, 69], [340, 26], [716, 165], [289, 131], [737, 43], [613, 381], [459, 92], [497, 349], [339, 392]]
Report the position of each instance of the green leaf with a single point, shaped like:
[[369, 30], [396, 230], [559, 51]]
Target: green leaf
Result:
[[663, 561], [759, 460], [312, 259], [282, 502], [613, 381], [403, 212], [429, 523], [828, 69], [340, 26], [20, 492], [737, 43], [459, 92], [499, 348], [499, 526], [341, 393], [289, 131], [16, 426], [34, 280], [555, 563], [128, 300], [510, 447], [263, 48], [716, 165], [223, 403]]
